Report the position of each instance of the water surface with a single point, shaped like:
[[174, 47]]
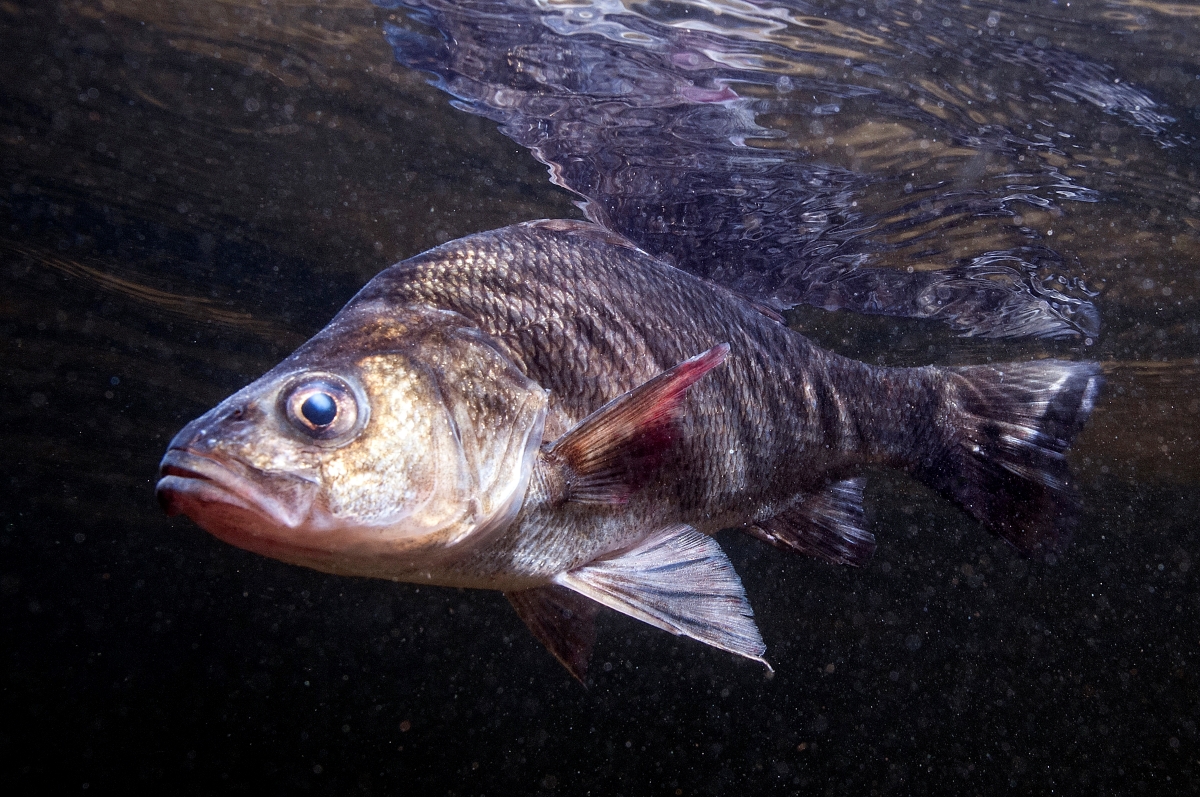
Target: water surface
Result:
[[192, 189]]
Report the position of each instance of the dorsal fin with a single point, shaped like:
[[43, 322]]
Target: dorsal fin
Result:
[[582, 229], [769, 312], [827, 525], [679, 580], [613, 451]]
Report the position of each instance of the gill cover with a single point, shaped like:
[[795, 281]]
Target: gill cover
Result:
[[453, 431], [497, 416]]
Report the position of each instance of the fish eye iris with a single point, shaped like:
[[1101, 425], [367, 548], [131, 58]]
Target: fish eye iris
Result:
[[323, 408], [319, 409]]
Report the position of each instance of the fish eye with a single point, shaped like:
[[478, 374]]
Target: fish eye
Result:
[[322, 407], [319, 409]]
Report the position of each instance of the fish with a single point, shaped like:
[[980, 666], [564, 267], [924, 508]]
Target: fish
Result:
[[549, 411]]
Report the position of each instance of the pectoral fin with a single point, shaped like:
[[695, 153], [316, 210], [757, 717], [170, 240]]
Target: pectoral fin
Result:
[[679, 580], [562, 620], [612, 452], [827, 525]]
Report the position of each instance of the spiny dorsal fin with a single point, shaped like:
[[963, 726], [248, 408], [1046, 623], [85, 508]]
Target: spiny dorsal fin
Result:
[[827, 525], [562, 620], [613, 451], [679, 580], [769, 312]]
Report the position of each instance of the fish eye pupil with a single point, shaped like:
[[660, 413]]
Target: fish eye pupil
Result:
[[319, 409]]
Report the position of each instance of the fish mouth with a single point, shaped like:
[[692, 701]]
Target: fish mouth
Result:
[[190, 482]]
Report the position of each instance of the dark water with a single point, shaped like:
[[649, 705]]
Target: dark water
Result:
[[190, 189]]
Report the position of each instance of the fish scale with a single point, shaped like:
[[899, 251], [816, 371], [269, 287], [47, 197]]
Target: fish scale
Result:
[[580, 417], [764, 379]]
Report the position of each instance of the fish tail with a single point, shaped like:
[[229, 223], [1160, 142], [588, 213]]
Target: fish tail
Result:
[[1000, 454]]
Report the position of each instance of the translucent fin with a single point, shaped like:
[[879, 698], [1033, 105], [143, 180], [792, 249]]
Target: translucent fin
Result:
[[562, 620], [679, 580], [827, 525], [613, 451], [1002, 458]]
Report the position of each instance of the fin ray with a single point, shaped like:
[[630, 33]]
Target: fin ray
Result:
[[1003, 458], [611, 452], [562, 620], [826, 525], [680, 581]]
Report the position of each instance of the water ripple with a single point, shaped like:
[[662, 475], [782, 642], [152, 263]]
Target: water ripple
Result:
[[907, 159]]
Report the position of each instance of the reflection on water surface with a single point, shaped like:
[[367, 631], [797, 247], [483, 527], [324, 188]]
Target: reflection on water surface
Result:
[[192, 189]]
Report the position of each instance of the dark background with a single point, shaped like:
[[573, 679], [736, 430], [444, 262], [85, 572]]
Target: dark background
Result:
[[190, 189]]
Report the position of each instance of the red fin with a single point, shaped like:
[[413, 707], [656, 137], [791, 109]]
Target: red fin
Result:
[[562, 620], [679, 580], [827, 525], [612, 451]]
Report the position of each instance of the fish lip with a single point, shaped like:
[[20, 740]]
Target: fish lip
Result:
[[185, 474]]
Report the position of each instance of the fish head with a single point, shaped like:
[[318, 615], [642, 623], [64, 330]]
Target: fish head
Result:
[[389, 440]]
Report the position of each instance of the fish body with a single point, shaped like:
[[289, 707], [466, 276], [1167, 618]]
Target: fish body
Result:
[[549, 411]]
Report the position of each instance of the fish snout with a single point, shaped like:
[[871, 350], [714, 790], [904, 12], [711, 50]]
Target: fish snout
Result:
[[173, 472], [201, 434]]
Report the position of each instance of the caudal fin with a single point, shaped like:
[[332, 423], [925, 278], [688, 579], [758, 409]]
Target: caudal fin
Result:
[[1002, 455]]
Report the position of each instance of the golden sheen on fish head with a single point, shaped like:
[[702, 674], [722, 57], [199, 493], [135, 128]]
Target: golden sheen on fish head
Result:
[[384, 444]]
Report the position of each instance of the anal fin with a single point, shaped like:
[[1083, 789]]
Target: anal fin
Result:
[[827, 525], [679, 580], [562, 620]]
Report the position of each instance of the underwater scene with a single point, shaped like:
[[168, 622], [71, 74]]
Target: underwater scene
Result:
[[957, 562]]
